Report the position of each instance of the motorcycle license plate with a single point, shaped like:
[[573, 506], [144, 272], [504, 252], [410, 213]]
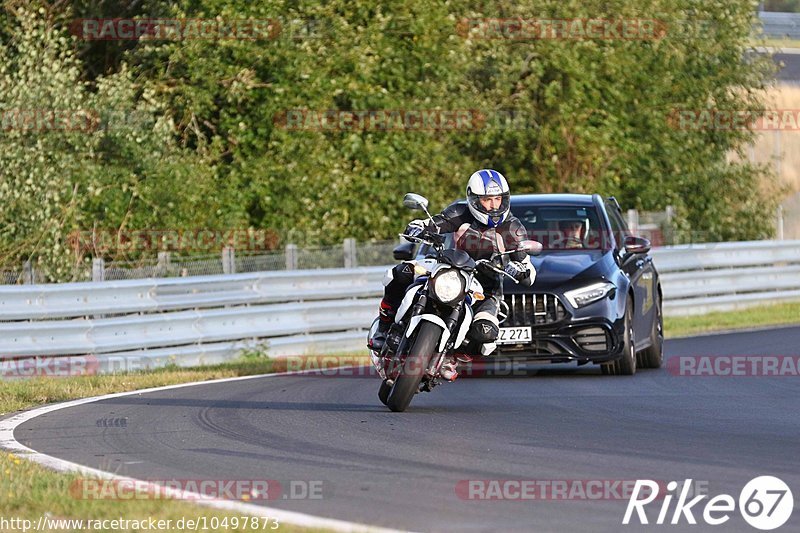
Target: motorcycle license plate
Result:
[[514, 335]]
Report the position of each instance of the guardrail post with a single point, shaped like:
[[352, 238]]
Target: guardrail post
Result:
[[291, 257], [228, 260], [633, 221], [163, 264], [98, 269], [779, 223], [27, 273], [350, 258]]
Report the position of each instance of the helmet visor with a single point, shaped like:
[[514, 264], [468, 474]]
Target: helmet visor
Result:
[[493, 205]]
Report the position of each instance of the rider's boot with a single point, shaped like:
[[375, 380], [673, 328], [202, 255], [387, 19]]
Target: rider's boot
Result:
[[385, 321], [449, 369]]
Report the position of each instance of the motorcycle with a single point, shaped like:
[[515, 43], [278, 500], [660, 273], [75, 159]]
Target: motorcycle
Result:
[[435, 314]]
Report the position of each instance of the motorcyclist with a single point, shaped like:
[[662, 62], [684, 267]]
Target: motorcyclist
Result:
[[482, 227]]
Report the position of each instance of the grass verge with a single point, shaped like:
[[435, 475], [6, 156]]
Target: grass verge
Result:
[[29, 491], [777, 43], [767, 315]]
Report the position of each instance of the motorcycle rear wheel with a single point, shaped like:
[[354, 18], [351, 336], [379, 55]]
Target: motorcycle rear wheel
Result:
[[407, 383]]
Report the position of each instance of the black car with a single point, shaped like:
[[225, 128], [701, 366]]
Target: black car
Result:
[[596, 297]]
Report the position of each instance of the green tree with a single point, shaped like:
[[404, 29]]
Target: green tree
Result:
[[72, 159]]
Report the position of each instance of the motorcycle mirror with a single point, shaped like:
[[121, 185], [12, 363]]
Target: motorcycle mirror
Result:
[[531, 247], [415, 201]]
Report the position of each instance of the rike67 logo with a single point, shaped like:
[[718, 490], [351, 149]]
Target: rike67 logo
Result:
[[765, 503]]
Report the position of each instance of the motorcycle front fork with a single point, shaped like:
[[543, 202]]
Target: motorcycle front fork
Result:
[[452, 322], [396, 341]]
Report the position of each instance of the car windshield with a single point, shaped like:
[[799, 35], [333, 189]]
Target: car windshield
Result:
[[557, 227], [562, 227]]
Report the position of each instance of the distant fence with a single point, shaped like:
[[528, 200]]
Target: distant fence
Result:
[[133, 324], [349, 254]]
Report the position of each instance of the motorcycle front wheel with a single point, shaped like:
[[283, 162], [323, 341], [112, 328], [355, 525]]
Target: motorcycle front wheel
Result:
[[383, 392], [414, 366]]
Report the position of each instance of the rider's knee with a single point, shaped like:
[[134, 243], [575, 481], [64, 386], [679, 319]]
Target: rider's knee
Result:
[[401, 274], [484, 328]]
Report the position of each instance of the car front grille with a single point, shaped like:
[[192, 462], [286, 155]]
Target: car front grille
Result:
[[533, 309]]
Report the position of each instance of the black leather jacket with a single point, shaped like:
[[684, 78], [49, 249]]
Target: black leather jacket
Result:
[[479, 240]]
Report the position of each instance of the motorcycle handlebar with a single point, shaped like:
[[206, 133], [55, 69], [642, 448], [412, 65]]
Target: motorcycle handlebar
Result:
[[426, 237], [491, 265]]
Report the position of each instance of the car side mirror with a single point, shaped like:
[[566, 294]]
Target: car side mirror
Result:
[[404, 251], [636, 245]]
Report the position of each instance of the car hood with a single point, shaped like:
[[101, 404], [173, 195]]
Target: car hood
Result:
[[554, 269]]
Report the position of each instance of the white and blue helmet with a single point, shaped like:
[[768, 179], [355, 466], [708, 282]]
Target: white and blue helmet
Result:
[[485, 183]]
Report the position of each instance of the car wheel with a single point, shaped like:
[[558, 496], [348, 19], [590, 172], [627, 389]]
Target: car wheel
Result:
[[626, 365], [653, 356]]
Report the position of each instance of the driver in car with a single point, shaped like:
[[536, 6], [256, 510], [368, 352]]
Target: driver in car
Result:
[[571, 233], [482, 227]]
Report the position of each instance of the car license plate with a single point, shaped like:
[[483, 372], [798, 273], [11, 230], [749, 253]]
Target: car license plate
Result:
[[514, 335]]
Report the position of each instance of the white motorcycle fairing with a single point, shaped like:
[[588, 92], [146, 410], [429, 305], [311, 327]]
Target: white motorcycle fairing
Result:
[[408, 299], [430, 317], [464, 327]]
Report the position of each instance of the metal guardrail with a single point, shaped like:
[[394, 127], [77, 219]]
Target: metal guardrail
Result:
[[67, 300], [697, 279], [780, 25], [125, 325], [135, 324]]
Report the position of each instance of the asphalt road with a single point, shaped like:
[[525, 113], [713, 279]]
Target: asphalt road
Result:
[[790, 69], [407, 470]]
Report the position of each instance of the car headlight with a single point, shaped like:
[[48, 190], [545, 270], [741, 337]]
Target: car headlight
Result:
[[590, 293], [448, 285]]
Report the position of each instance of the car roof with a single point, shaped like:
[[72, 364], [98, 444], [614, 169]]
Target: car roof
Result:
[[550, 199]]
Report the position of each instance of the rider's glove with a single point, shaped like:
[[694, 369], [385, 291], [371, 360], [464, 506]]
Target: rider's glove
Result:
[[516, 269], [415, 227]]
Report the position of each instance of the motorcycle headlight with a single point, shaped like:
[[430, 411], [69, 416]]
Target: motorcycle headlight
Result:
[[589, 294], [448, 286]]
